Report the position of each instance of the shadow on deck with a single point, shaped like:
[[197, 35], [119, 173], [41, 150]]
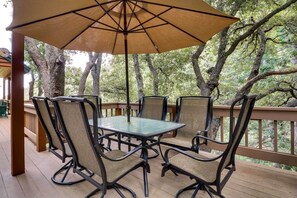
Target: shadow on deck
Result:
[[249, 180]]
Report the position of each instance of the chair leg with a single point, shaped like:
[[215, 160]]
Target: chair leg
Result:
[[154, 156], [64, 173], [196, 187], [190, 187], [196, 191], [94, 192], [208, 191], [117, 186], [145, 179]]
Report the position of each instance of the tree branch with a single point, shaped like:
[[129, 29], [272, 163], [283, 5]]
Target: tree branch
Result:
[[257, 25], [252, 81]]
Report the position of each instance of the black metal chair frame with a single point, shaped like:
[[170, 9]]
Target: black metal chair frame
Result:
[[99, 108], [97, 99], [195, 140], [94, 137], [231, 146], [52, 148], [142, 103]]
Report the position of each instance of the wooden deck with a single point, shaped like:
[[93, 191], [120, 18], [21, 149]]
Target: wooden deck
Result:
[[248, 181]]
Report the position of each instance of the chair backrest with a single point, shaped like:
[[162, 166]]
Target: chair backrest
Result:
[[238, 131], [48, 123], [153, 107], [195, 112], [82, 138], [95, 100]]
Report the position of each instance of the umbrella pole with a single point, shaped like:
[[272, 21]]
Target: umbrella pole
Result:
[[127, 79], [126, 61]]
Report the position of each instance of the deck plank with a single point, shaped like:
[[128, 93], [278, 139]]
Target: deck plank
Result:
[[248, 181]]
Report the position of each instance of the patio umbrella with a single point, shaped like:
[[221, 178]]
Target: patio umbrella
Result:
[[119, 26]]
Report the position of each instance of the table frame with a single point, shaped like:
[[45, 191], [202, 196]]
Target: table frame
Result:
[[140, 128]]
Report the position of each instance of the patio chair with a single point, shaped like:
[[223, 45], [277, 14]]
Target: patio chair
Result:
[[56, 142], [96, 100], [196, 113], [85, 144], [98, 103], [3, 108], [207, 172], [153, 107]]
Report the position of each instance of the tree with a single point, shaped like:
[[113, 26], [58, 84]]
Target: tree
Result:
[[228, 43], [154, 73], [72, 79], [94, 64], [50, 63], [138, 76]]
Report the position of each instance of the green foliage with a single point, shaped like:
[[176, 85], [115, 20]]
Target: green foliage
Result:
[[72, 78]]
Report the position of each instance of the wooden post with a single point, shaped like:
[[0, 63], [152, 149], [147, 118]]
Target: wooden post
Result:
[[9, 90], [17, 106], [3, 97], [118, 111], [40, 136], [8, 95]]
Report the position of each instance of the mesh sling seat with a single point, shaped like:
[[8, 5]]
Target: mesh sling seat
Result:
[[196, 113], [153, 107], [95, 99], [56, 142], [88, 152], [207, 172]]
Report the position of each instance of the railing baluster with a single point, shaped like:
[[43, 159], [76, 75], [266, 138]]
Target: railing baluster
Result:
[[246, 138], [222, 128], [275, 135], [292, 138], [260, 133]]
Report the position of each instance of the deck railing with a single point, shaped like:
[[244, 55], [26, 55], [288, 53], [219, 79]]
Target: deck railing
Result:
[[271, 135]]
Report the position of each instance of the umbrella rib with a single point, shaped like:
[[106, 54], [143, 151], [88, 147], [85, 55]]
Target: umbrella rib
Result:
[[94, 21], [47, 18], [154, 26], [141, 24], [104, 29], [189, 34], [187, 9], [133, 13], [107, 13], [155, 16], [117, 33]]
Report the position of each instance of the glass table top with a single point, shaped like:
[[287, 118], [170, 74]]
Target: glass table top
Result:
[[137, 126]]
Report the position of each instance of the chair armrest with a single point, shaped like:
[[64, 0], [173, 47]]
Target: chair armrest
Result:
[[206, 138], [120, 158], [188, 155]]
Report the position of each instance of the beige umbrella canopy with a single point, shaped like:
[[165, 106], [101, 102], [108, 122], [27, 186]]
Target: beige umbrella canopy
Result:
[[119, 26]]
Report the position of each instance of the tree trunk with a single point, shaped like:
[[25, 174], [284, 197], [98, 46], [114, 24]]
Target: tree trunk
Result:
[[39, 85], [138, 76], [56, 62], [31, 86], [154, 73], [50, 65], [95, 71], [89, 66]]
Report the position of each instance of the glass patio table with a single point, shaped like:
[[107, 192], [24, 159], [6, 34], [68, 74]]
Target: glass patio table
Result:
[[141, 128]]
